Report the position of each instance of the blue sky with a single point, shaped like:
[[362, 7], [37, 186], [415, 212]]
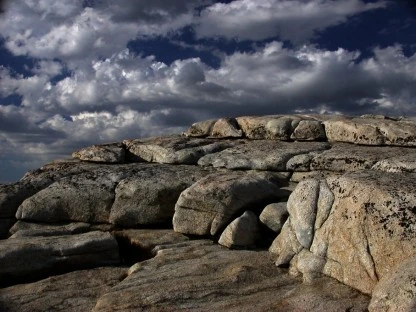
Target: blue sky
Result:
[[75, 73]]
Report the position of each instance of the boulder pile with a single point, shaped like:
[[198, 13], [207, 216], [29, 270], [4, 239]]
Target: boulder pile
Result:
[[258, 213]]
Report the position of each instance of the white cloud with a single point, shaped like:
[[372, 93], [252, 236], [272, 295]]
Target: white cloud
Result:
[[48, 68], [76, 34], [293, 20]]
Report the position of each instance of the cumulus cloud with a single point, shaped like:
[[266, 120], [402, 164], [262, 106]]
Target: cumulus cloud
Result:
[[73, 32], [293, 20]]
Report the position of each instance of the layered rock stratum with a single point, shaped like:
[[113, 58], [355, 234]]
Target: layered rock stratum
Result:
[[256, 213]]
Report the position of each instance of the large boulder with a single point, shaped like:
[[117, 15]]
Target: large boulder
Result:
[[35, 257], [146, 198], [354, 228], [201, 276], [85, 197], [206, 207]]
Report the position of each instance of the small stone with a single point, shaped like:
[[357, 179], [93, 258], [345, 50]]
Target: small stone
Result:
[[241, 233], [274, 216]]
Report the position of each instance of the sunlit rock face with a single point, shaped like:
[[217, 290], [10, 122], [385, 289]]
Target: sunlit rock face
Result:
[[281, 212]]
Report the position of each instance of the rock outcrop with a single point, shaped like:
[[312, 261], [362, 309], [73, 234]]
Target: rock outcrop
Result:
[[260, 213]]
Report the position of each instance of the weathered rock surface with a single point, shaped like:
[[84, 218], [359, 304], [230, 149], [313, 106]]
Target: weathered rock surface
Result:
[[210, 204], [398, 163], [351, 157], [201, 276], [75, 291], [274, 216], [86, 197], [260, 155], [371, 131], [173, 149], [105, 153], [149, 196], [396, 291], [242, 232], [363, 221], [28, 258]]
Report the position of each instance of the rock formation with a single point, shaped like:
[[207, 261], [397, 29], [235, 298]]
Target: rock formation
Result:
[[257, 213]]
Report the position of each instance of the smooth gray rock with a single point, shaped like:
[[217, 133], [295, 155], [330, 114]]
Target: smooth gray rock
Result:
[[39, 180], [149, 196], [309, 130], [70, 292], [242, 232], [104, 153], [35, 257], [173, 149], [260, 155], [274, 216], [82, 198], [302, 207], [12, 195], [210, 204], [194, 276], [351, 157]]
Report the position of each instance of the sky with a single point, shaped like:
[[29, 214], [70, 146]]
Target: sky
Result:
[[75, 73]]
